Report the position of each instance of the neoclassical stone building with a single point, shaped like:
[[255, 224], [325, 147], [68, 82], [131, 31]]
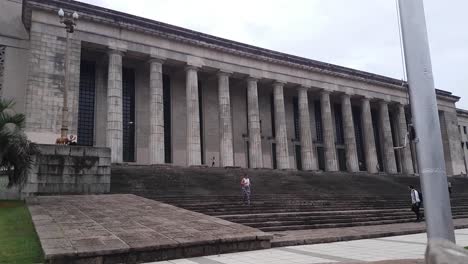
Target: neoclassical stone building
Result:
[[160, 94]]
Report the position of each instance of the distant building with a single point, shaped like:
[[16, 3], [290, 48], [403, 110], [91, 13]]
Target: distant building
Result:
[[156, 93]]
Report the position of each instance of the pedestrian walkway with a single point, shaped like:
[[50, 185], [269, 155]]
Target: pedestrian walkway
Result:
[[377, 249]]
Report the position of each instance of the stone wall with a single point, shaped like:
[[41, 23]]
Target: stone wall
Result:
[[69, 170]]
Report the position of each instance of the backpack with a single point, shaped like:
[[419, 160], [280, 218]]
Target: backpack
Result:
[[420, 196]]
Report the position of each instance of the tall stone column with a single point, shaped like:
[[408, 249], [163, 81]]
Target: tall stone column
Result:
[[225, 121], [156, 113], [349, 135], [193, 117], [253, 122], [331, 163], [282, 153], [309, 161], [387, 140], [406, 160], [114, 130], [368, 136]]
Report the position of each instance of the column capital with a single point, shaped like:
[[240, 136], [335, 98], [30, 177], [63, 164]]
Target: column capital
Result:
[[115, 52], [191, 67], [324, 91], [384, 102], [223, 73], [278, 83], [303, 88], [346, 95], [156, 59], [252, 79]]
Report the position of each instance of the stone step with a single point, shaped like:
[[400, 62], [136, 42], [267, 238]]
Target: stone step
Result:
[[348, 224]]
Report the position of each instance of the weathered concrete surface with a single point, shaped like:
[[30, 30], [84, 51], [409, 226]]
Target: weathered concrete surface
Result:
[[331, 163], [255, 140], [389, 162], [193, 117], [61, 169], [156, 113], [309, 161], [125, 228], [226, 149], [282, 153], [114, 138], [352, 164], [370, 151]]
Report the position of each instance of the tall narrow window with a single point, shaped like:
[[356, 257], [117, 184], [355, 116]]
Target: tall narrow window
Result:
[[200, 113], [318, 121], [297, 149], [339, 135], [273, 156], [297, 132], [378, 147], [359, 140], [272, 111], [86, 103], [167, 119], [128, 114]]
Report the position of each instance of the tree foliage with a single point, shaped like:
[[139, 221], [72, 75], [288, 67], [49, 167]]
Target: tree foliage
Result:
[[16, 151]]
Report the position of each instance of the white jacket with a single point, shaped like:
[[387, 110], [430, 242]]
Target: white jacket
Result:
[[415, 196]]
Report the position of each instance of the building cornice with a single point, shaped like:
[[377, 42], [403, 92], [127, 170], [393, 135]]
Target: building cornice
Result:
[[152, 27], [462, 112]]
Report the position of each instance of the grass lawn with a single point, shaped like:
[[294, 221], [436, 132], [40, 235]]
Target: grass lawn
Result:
[[18, 239]]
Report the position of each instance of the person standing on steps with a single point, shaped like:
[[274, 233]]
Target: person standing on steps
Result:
[[245, 186], [415, 202], [213, 161], [450, 188]]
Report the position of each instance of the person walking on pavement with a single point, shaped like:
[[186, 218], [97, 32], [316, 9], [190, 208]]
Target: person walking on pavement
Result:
[[415, 202], [245, 186]]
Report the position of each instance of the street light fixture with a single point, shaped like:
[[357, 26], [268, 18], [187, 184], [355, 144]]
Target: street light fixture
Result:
[[70, 23]]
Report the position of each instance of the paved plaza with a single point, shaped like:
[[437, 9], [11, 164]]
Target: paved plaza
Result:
[[408, 249]]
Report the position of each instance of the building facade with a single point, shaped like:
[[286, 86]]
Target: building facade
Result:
[[463, 129], [160, 94]]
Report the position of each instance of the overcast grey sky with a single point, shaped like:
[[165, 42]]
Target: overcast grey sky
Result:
[[360, 34]]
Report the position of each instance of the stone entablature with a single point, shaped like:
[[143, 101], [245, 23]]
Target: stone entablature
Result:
[[135, 34], [236, 79]]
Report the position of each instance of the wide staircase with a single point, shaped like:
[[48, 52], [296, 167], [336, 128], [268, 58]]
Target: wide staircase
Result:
[[283, 200]]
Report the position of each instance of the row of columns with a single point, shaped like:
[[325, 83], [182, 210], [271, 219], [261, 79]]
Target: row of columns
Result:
[[309, 159]]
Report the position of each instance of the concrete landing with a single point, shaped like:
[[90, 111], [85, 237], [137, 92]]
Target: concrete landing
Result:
[[125, 228]]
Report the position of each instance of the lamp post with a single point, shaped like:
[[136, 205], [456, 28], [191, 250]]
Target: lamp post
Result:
[[69, 20]]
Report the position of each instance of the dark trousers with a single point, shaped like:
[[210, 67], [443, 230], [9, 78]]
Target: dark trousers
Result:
[[415, 208], [246, 194]]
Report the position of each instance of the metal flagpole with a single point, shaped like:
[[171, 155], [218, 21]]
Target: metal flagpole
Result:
[[431, 163]]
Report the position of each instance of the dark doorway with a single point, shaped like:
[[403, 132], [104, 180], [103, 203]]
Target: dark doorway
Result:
[[273, 155], [341, 153], [378, 147], [359, 140], [298, 157], [167, 119], [86, 103], [128, 112], [321, 158]]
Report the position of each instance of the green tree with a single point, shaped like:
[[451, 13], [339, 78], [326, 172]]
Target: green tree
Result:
[[16, 151]]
